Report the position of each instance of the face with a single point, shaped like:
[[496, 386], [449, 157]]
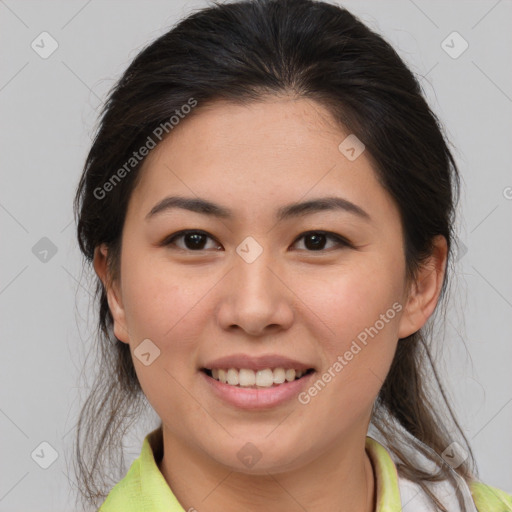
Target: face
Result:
[[319, 289]]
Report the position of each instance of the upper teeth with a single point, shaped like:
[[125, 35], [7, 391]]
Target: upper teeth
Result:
[[262, 378]]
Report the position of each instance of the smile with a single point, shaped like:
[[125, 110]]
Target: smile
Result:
[[253, 396], [247, 378]]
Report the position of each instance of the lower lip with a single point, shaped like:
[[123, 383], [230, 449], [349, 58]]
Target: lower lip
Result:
[[253, 398]]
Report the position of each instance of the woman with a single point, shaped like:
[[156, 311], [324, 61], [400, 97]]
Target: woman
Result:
[[269, 207]]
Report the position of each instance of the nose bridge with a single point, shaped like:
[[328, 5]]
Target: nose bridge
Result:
[[254, 279], [256, 298]]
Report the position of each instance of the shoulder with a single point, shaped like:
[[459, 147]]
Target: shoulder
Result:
[[144, 488], [490, 499], [395, 492], [121, 495]]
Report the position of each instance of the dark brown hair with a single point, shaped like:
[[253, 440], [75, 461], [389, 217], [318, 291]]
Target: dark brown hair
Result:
[[242, 52]]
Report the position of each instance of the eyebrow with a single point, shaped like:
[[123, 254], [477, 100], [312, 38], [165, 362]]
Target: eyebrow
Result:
[[206, 207]]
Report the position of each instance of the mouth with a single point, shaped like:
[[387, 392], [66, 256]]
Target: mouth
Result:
[[247, 378]]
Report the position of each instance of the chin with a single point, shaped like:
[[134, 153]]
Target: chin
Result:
[[253, 458]]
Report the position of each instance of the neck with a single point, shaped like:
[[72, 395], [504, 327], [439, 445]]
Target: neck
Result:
[[340, 479]]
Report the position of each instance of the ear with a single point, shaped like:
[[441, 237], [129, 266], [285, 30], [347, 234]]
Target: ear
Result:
[[425, 290], [113, 293]]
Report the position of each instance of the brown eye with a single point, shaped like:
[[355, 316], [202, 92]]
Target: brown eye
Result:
[[192, 240], [197, 240], [317, 240]]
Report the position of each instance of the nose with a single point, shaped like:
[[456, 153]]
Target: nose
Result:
[[256, 297]]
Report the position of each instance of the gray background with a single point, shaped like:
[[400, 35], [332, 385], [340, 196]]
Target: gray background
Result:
[[49, 110]]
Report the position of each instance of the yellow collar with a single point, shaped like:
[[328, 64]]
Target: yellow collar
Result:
[[144, 488]]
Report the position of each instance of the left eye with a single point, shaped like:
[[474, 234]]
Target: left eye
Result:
[[315, 240], [194, 240]]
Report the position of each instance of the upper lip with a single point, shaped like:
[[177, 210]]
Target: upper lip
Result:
[[256, 363]]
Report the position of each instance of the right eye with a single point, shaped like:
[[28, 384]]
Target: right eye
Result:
[[193, 240]]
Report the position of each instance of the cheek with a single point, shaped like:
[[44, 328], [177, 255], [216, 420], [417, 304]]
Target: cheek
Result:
[[353, 300], [361, 308], [162, 304]]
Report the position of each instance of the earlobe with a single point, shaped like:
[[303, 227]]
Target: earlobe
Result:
[[113, 294], [425, 290]]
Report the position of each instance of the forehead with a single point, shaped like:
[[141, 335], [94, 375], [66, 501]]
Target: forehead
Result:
[[257, 155]]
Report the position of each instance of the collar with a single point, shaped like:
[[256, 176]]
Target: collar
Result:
[[144, 489]]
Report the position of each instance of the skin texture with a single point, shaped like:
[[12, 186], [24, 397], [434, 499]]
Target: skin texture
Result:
[[292, 300]]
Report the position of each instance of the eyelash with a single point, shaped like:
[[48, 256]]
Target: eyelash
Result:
[[340, 241]]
